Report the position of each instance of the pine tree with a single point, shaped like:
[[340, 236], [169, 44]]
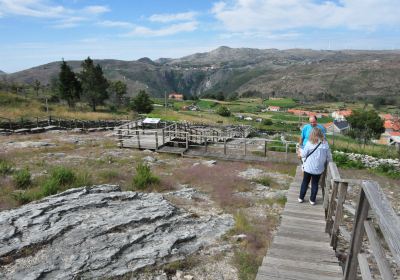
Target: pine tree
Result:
[[142, 103], [94, 84], [69, 88], [117, 91]]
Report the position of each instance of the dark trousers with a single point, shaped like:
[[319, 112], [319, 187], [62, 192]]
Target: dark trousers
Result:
[[314, 185]]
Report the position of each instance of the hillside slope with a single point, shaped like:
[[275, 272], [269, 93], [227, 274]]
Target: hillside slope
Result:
[[300, 73]]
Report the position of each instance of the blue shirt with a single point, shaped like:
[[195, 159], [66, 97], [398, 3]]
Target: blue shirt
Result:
[[315, 163], [306, 131]]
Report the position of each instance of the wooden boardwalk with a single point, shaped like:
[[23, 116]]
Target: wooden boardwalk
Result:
[[300, 249]]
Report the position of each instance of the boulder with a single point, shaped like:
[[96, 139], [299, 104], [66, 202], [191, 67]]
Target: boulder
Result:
[[99, 232]]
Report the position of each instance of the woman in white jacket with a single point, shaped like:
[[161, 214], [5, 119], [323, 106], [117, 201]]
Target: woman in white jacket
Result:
[[314, 156]]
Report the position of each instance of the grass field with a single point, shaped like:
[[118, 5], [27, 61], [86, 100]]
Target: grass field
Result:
[[284, 103]]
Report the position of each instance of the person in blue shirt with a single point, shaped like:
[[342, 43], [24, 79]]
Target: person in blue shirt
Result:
[[305, 132], [314, 155]]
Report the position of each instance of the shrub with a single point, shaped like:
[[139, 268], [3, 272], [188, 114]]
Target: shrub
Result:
[[22, 179], [223, 111], [388, 170], [247, 264], [22, 197], [266, 181], [5, 167], [267, 122], [59, 177], [63, 176], [50, 187], [342, 160], [144, 177]]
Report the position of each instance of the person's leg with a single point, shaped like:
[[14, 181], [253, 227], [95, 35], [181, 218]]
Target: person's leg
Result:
[[304, 184], [314, 187]]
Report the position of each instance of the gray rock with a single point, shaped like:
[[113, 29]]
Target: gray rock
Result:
[[251, 173], [276, 195], [99, 232], [209, 163], [149, 159], [29, 144]]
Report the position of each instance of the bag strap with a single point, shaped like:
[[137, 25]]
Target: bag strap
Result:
[[312, 152]]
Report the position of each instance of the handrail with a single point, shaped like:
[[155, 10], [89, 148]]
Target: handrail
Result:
[[371, 200]]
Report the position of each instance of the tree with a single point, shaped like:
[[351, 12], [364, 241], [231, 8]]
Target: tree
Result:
[[117, 91], [94, 84], [220, 96], [223, 111], [68, 86], [365, 124], [142, 103], [36, 87]]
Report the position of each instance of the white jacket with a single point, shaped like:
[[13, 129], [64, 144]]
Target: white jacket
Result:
[[315, 163]]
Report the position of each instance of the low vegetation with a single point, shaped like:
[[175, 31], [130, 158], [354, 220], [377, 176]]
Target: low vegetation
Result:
[[144, 177], [22, 178], [5, 167]]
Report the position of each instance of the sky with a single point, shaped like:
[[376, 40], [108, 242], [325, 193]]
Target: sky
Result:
[[35, 32]]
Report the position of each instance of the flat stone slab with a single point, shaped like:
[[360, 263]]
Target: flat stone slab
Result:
[[99, 232]]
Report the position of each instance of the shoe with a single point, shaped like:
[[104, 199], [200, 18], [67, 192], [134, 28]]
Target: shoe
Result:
[[312, 202], [300, 200]]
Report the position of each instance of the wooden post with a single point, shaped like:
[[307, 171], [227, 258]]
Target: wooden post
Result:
[[205, 144], [331, 206], [245, 147], [156, 140], [265, 148], [224, 145], [286, 150], [163, 136], [351, 265], [338, 213], [138, 138], [121, 143], [187, 140]]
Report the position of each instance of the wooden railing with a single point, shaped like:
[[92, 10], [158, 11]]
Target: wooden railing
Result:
[[374, 218], [175, 135]]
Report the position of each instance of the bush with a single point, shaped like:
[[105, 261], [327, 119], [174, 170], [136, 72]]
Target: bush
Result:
[[267, 122], [265, 181], [59, 177], [22, 179], [223, 111], [5, 167], [342, 160], [63, 176], [50, 187], [388, 170], [144, 177], [22, 197]]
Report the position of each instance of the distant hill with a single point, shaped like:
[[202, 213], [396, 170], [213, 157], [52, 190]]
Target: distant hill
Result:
[[299, 73], [2, 73]]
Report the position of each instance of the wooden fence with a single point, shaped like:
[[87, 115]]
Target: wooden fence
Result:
[[375, 226]]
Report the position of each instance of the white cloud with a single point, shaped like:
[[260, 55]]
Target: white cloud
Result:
[[110, 23], [95, 10], [32, 8], [275, 15], [173, 17], [64, 17], [165, 31]]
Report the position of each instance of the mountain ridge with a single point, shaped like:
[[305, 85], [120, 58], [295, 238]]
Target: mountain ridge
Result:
[[298, 73]]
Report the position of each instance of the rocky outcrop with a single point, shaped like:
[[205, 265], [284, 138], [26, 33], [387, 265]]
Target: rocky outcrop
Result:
[[99, 232]]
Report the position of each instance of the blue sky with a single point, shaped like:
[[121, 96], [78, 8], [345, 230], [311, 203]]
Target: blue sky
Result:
[[35, 32]]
